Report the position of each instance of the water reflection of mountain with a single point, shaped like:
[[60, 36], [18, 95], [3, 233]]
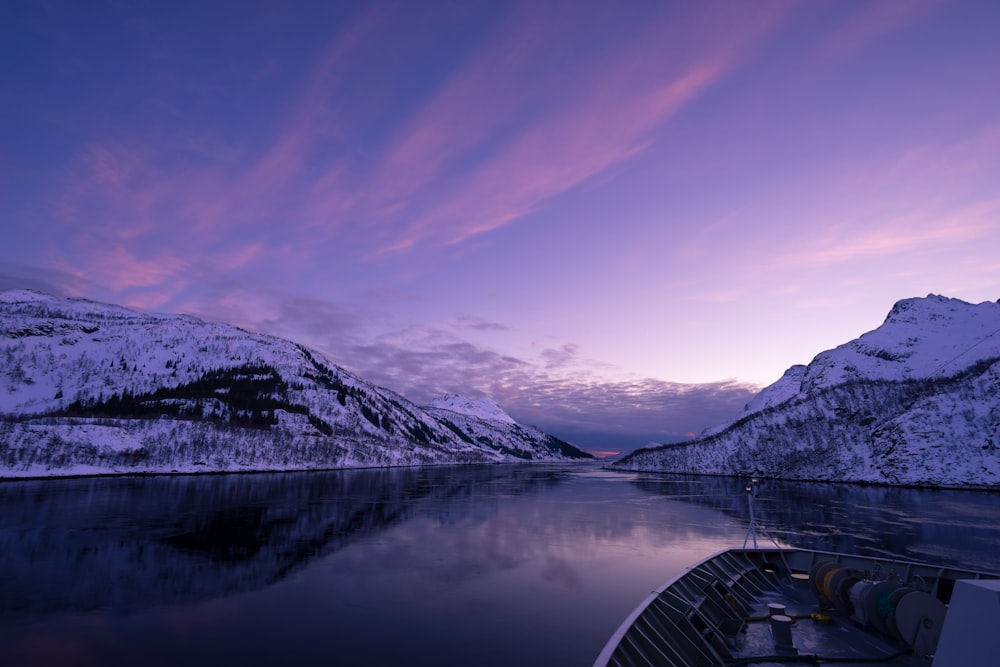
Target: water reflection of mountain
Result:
[[127, 543], [944, 526]]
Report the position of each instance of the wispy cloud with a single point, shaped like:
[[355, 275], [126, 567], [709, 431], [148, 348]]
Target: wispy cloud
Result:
[[870, 22], [977, 152], [47, 280], [554, 157], [926, 198], [918, 230], [528, 117], [312, 119], [137, 213], [605, 120], [479, 324]]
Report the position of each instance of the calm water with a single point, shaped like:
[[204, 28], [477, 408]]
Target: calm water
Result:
[[492, 565]]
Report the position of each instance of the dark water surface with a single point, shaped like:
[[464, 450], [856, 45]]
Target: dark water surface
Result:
[[485, 565]]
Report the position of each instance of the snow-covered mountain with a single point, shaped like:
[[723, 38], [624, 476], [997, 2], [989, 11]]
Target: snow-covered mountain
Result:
[[90, 388], [916, 401]]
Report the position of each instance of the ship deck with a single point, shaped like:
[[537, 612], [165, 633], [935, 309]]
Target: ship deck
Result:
[[719, 612]]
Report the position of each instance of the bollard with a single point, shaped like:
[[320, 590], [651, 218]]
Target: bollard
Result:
[[781, 634]]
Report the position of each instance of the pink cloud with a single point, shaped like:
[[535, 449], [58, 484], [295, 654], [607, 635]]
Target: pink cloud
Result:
[[608, 119], [144, 232], [870, 22], [136, 206], [117, 268], [522, 146], [905, 232], [931, 196], [558, 155], [103, 170], [492, 146], [978, 152], [310, 118], [241, 257], [487, 93]]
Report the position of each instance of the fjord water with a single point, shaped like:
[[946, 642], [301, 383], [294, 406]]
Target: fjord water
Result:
[[465, 565]]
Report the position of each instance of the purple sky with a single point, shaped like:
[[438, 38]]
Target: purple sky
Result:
[[617, 219]]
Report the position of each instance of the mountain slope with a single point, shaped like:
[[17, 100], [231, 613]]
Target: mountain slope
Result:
[[916, 401], [483, 421], [94, 388], [480, 408]]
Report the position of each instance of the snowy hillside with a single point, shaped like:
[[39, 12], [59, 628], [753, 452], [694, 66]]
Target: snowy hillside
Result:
[[916, 401], [93, 388], [480, 408], [482, 420]]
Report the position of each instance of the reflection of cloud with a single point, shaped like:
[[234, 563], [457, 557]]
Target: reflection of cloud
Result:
[[561, 571]]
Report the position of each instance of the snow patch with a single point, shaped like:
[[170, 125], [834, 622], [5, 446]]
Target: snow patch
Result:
[[481, 408]]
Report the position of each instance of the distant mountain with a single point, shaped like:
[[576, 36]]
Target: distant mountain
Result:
[[90, 388], [914, 402], [482, 421], [481, 408]]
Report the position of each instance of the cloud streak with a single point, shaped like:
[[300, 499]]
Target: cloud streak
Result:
[[605, 120], [870, 23], [525, 119], [134, 209], [908, 233]]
